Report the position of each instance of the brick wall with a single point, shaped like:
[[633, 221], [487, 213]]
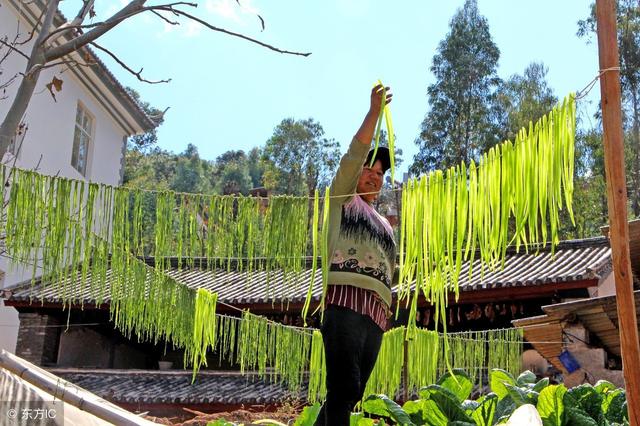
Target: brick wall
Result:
[[38, 338]]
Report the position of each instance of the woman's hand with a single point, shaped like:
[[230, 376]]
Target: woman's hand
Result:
[[376, 98]]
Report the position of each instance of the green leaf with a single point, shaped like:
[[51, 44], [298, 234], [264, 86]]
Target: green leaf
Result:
[[551, 405], [604, 386], [543, 383], [425, 412], [373, 404], [220, 422], [308, 416], [522, 396], [497, 381], [450, 407], [469, 406], [358, 419], [381, 405], [504, 408], [526, 378], [613, 406], [269, 422], [458, 382], [484, 413], [589, 400], [577, 417]]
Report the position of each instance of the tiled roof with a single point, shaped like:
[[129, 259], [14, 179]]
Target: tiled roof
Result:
[[167, 387], [573, 261]]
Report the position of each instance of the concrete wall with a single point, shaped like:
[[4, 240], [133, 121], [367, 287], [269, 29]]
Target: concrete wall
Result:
[[49, 142], [83, 347], [592, 361], [607, 285]]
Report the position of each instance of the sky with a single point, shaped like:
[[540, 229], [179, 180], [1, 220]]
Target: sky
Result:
[[227, 93]]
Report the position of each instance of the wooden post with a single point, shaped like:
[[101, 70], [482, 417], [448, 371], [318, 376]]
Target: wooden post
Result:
[[617, 202]]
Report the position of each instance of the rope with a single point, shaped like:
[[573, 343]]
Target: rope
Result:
[[585, 91]]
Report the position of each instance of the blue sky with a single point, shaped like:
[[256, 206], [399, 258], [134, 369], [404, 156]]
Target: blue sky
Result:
[[227, 93]]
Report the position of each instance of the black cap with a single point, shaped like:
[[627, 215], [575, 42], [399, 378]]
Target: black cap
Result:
[[383, 155]]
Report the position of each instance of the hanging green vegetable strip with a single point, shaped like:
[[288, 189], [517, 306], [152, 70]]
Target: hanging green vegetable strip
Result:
[[387, 372], [204, 328], [165, 205], [471, 208], [423, 355], [324, 249], [314, 255], [317, 390], [263, 344], [379, 123], [392, 143]]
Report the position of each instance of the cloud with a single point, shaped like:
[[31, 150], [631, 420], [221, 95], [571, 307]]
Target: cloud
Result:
[[231, 10]]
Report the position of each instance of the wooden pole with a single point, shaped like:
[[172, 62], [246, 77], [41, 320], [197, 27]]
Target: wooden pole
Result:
[[617, 202]]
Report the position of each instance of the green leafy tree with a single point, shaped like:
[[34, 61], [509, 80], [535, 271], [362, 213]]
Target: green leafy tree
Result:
[[149, 139], [190, 173], [154, 169], [298, 158], [524, 98], [231, 175], [461, 122], [256, 166], [628, 20]]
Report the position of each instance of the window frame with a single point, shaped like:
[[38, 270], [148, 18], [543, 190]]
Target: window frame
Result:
[[89, 137]]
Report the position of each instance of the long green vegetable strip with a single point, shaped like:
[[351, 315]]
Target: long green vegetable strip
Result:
[[317, 390], [447, 216], [387, 372], [324, 248], [476, 352], [314, 254]]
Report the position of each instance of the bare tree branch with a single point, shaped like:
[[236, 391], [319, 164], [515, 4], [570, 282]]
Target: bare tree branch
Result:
[[126, 67], [167, 20], [222, 30], [78, 20], [33, 29], [14, 49], [133, 8]]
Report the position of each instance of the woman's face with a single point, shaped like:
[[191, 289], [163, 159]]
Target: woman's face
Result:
[[370, 181]]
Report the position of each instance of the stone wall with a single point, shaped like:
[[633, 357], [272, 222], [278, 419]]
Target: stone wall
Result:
[[38, 338]]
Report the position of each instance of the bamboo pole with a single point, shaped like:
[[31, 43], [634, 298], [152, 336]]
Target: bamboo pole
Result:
[[61, 390], [617, 202]]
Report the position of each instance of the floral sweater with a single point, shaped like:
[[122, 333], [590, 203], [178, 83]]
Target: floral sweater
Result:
[[361, 244]]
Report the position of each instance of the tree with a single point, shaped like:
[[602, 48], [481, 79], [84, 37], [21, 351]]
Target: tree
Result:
[[146, 140], [256, 167], [524, 98], [73, 38], [190, 175], [231, 173], [460, 124], [298, 158], [628, 20]]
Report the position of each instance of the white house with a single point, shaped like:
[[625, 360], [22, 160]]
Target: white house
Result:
[[81, 134]]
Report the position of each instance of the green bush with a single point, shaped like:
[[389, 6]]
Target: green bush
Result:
[[446, 403]]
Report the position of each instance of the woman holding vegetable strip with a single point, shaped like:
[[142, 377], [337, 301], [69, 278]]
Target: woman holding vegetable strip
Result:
[[362, 254]]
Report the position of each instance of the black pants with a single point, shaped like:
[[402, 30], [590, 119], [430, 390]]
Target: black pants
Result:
[[351, 345]]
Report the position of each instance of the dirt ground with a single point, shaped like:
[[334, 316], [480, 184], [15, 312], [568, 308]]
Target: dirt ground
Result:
[[286, 415]]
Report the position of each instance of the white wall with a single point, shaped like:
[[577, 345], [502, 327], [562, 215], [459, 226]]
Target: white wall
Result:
[[49, 142]]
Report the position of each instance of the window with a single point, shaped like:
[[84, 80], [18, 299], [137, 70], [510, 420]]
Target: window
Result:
[[82, 139]]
